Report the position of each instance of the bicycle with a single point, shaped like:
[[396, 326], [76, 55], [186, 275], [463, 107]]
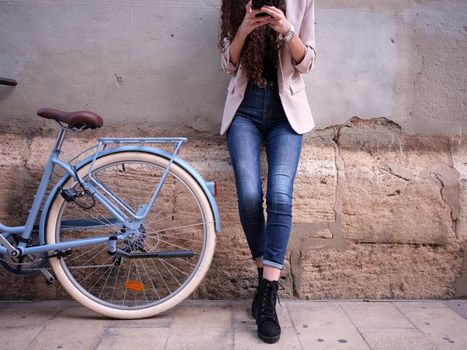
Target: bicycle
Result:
[[129, 231]]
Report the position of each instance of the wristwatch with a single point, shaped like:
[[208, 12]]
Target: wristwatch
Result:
[[289, 35]]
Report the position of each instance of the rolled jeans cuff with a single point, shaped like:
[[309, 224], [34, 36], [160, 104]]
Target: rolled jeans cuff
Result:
[[273, 264]]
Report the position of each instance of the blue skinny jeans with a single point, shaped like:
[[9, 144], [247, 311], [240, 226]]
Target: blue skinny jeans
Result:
[[262, 117]]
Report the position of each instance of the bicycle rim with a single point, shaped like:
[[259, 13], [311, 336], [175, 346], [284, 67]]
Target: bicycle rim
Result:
[[181, 219]]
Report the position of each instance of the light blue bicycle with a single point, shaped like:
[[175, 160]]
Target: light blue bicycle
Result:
[[129, 231]]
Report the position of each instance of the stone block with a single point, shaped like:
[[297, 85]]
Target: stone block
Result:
[[378, 271]]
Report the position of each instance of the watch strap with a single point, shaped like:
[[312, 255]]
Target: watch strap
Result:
[[289, 35]]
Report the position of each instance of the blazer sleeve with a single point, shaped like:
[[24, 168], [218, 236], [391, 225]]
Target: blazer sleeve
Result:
[[227, 66], [307, 35]]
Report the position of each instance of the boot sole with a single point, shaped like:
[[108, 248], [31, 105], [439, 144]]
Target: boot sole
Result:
[[269, 340]]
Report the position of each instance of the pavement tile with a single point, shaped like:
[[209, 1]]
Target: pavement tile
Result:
[[459, 306], [201, 325], [133, 338], [242, 315], [324, 326], [419, 303], [202, 316], [200, 338], [18, 338], [162, 320], [375, 314], [312, 303], [28, 314], [73, 328], [227, 324], [396, 338], [440, 324], [246, 338]]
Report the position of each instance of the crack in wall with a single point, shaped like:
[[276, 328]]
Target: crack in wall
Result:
[[419, 73], [459, 176], [391, 171], [446, 201], [336, 227], [295, 271]]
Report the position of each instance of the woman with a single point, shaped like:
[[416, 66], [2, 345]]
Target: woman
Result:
[[266, 56]]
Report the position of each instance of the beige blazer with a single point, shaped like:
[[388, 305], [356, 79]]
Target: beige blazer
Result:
[[292, 89]]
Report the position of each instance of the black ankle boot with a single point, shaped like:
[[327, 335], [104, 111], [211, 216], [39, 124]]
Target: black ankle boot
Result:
[[256, 296], [269, 329]]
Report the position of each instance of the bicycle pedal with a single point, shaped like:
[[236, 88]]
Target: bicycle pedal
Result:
[[69, 194]]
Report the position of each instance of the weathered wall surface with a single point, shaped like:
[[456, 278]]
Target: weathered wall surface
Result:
[[380, 202], [378, 213], [136, 61]]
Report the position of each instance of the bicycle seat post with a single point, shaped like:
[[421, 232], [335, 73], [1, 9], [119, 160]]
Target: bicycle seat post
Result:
[[59, 139]]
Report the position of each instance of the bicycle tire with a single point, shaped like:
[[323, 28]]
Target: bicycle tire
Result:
[[82, 293]]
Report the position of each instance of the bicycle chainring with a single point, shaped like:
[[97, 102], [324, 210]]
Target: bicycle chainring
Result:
[[23, 265]]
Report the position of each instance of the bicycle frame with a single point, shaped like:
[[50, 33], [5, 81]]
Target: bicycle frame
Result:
[[122, 213]]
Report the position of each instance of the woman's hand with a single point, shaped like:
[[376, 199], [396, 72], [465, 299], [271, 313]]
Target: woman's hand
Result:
[[279, 22], [281, 25], [250, 22]]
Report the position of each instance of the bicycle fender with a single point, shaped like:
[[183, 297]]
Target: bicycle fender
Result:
[[183, 164]]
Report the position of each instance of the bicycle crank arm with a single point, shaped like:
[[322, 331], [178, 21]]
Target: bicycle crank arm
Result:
[[48, 276], [173, 254], [11, 250]]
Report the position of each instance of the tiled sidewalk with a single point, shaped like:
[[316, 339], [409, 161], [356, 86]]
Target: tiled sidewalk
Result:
[[227, 324]]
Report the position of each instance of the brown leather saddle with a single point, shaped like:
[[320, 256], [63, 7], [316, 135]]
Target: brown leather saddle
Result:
[[79, 120]]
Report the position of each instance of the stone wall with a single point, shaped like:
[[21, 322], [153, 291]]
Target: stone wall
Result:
[[378, 212]]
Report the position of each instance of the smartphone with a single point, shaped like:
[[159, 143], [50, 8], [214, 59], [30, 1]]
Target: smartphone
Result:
[[257, 4]]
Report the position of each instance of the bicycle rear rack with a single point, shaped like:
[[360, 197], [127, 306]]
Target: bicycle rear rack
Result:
[[105, 143]]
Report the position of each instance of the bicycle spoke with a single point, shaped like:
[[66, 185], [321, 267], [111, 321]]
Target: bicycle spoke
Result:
[[115, 284], [150, 280], [139, 277], [163, 264], [178, 246], [84, 253], [106, 280], [177, 227], [92, 273], [100, 278], [174, 267]]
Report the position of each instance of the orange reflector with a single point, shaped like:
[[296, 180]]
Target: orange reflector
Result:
[[135, 286]]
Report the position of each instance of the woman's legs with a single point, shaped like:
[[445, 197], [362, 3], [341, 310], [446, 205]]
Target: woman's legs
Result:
[[244, 143], [261, 116], [283, 148]]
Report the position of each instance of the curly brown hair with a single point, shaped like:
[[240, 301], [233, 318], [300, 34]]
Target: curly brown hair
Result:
[[254, 49]]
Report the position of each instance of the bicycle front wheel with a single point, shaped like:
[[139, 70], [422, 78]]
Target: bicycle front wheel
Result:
[[180, 220]]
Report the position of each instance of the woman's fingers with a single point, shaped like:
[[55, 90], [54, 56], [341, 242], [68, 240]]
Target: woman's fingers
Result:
[[252, 22], [261, 19], [248, 6], [254, 19], [275, 12], [255, 25], [261, 22], [253, 13], [258, 25]]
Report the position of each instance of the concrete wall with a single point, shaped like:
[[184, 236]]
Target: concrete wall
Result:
[[380, 201], [157, 62]]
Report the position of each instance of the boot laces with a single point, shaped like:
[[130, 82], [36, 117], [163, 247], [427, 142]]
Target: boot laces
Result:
[[268, 307]]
